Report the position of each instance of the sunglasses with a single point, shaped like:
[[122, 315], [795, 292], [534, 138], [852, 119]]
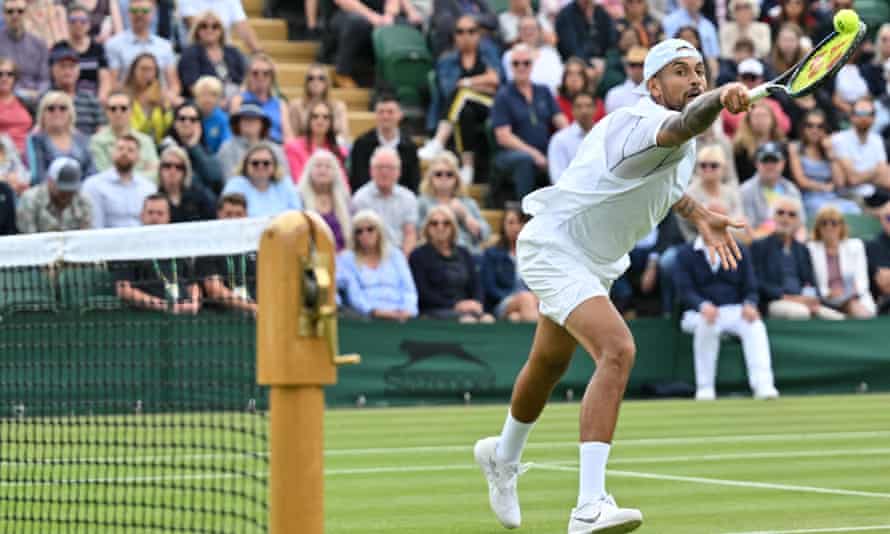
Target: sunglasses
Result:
[[324, 116], [187, 118], [440, 222], [316, 78], [783, 212], [712, 165], [7, 74], [863, 113], [118, 109], [830, 222], [443, 174], [52, 108], [140, 10], [171, 165], [523, 63], [79, 20], [14, 11], [365, 229], [265, 163], [466, 31], [635, 65], [819, 125], [261, 73], [209, 26], [742, 6]]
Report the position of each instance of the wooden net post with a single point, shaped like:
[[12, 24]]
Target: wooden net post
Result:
[[296, 357]]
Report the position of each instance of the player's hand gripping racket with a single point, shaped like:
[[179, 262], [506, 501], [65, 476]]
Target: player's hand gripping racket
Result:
[[820, 64]]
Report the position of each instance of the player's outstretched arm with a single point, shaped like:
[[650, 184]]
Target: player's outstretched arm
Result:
[[714, 230], [701, 113]]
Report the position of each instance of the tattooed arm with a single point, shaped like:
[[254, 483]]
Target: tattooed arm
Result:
[[701, 113]]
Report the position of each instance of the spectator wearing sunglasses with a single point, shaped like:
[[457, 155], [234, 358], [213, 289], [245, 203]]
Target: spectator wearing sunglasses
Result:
[[188, 202], [263, 183], [761, 191], [441, 186], [94, 76], [751, 74], [15, 118], [124, 48], [784, 268], [707, 186], [878, 252], [26, 50], [210, 55], [863, 156], [118, 111], [814, 166], [65, 71], [261, 89], [187, 132], [230, 14], [103, 20], [317, 86], [56, 136], [625, 95], [840, 266]]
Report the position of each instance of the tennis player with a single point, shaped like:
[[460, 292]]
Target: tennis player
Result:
[[630, 170]]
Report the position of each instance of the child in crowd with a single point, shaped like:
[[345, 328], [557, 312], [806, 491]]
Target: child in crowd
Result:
[[208, 92]]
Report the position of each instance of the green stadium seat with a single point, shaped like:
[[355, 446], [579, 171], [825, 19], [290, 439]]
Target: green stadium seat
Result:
[[499, 6], [403, 60], [874, 13], [863, 226], [26, 289], [87, 288]]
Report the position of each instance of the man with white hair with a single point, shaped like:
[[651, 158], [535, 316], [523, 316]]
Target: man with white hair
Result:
[[784, 269], [631, 170], [396, 205]]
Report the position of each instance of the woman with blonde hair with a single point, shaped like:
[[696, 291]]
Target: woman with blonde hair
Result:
[[759, 125], [263, 183], [317, 87], [373, 274], [789, 49], [210, 55], [322, 190], [441, 186], [188, 202], [261, 88], [151, 109], [707, 186], [448, 284], [840, 266], [56, 136]]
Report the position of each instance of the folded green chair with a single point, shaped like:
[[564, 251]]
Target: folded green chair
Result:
[[88, 287], [403, 61], [26, 289]]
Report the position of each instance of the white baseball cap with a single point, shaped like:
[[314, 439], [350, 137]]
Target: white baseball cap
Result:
[[66, 173], [751, 66], [663, 54]]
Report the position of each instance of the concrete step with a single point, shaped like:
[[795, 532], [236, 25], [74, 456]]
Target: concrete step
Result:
[[355, 99], [254, 8], [360, 122], [294, 74], [285, 51], [268, 29]]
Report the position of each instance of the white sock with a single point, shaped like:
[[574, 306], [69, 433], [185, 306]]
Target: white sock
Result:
[[594, 456], [513, 439]]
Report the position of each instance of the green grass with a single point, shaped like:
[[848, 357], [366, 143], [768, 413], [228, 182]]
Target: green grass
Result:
[[807, 464], [821, 462]]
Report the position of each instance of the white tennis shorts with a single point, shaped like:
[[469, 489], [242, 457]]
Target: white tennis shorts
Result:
[[561, 280]]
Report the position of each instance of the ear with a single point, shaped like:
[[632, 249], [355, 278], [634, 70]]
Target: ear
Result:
[[654, 87]]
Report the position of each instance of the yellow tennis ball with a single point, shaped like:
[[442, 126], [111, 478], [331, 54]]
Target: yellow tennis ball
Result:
[[846, 21]]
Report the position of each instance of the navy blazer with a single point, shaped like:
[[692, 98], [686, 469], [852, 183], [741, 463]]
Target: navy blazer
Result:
[[695, 282], [767, 256], [498, 275], [194, 63]]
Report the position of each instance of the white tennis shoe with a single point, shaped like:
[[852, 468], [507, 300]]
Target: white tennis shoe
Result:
[[603, 517], [501, 479]]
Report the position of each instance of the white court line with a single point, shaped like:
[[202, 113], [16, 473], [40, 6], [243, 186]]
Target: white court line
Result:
[[723, 482], [818, 530], [644, 442]]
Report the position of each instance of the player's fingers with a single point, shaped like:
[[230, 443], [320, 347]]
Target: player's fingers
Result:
[[736, 251]]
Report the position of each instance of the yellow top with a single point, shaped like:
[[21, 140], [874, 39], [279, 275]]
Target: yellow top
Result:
[[154, 124]]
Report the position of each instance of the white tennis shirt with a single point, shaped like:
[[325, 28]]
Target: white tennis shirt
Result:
[[618, 187]]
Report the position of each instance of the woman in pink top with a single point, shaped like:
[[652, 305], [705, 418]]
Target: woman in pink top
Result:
[[15, 121], [318, 133]]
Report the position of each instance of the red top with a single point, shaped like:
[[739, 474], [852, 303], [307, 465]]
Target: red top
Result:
[[565, 105], [298, 153], [16, 123]]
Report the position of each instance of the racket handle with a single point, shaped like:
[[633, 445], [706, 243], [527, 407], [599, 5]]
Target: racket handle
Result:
[[759, 92]]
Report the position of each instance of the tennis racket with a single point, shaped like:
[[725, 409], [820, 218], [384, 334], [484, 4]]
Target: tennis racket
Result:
[[817, 67]]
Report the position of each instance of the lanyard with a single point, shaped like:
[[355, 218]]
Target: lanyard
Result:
[[160, 273], [233, 273]]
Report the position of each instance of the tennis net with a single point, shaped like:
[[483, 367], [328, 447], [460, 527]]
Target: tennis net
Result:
[[124, 407]]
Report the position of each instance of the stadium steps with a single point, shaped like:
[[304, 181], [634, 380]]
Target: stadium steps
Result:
[[268, 30], [278, 47], [355, 99], [253, 8]]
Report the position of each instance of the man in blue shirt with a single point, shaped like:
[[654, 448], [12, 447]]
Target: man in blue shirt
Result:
[[522, 116], [689, 14]]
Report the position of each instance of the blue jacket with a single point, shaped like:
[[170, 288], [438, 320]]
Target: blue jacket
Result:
[[498, 275], [695, 282], [216, 130], [448, 73], [767, 256]]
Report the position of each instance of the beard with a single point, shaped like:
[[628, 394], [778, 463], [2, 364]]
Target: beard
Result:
[[124, 166]]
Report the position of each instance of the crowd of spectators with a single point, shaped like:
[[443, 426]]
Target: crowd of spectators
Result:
[[120, 113]]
